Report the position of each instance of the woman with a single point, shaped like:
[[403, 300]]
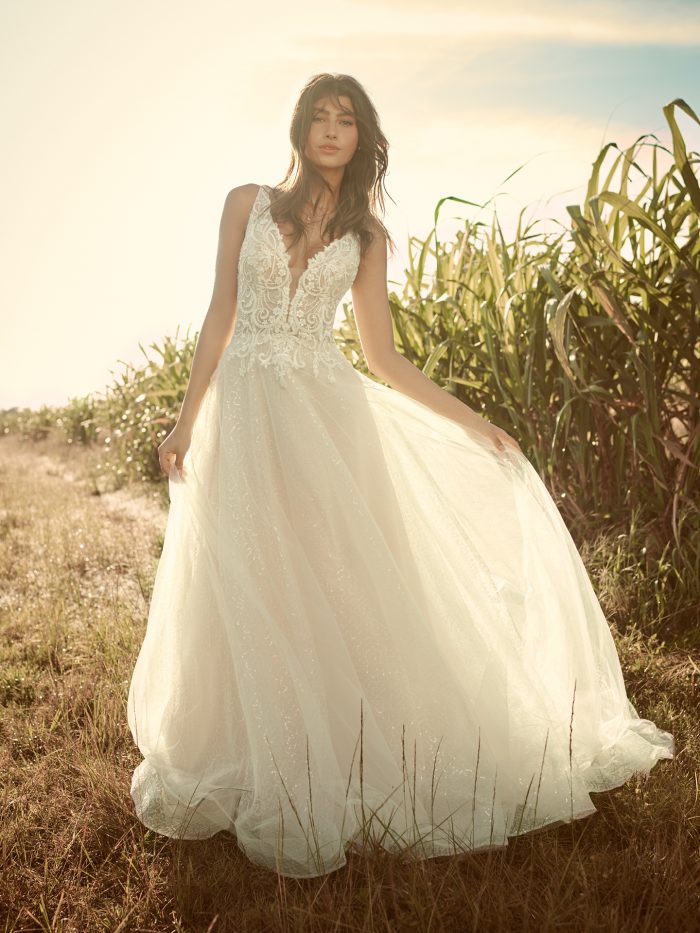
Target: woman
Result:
[[369, 622]]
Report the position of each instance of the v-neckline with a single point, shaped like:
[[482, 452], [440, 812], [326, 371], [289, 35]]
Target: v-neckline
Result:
[[287, 257]]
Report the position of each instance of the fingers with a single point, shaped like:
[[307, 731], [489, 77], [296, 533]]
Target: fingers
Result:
[[172, 465], [504, 443], [166, 461], [505, 438]]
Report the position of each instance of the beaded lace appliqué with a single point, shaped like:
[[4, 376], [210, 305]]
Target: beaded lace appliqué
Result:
[[274, 329]]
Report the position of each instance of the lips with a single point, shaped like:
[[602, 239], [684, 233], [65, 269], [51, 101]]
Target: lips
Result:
[[329, 148]]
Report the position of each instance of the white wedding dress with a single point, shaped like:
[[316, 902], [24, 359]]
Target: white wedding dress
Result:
[[363, 619]]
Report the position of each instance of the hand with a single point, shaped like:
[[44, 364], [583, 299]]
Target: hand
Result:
[[172, 450], [500, 439]]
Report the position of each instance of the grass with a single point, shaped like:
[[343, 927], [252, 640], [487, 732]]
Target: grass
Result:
[[77, 570]]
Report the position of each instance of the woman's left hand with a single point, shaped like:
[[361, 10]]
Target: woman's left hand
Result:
[[500, 439]]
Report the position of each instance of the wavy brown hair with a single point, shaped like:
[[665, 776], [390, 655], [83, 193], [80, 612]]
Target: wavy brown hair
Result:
[[361, 187]]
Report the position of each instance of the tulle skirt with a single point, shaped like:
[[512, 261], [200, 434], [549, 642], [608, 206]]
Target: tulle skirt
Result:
[[367, 627]]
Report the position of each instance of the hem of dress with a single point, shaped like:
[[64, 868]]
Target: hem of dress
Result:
[[156, 807]]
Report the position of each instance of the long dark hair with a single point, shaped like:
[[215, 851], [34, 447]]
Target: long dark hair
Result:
[[361, 188]]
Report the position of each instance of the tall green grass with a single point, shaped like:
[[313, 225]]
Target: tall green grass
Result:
[[583, 344]]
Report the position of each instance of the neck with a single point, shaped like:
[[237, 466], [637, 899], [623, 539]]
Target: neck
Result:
[[334, 179]]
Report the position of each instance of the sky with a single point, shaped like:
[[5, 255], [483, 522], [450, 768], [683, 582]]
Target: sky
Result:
[[126, 124]]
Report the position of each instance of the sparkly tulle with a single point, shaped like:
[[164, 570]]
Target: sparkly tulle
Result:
[[365, 624]]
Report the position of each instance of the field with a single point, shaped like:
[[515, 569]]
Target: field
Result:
[[77, 569]]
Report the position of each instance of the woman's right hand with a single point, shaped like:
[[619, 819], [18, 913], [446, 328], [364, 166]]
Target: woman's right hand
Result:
[[173, 450]]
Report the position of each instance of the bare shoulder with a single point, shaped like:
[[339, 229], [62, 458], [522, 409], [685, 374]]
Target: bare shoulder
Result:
[[375, 254], [238, 204], [375, 227]]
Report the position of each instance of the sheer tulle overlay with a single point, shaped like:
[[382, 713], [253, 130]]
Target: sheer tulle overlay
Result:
[[365, 623]]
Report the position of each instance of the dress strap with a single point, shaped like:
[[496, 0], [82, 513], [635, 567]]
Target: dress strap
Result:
[[257, 206], [262, 198]]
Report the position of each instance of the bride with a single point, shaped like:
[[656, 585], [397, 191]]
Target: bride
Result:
[[369, 623]]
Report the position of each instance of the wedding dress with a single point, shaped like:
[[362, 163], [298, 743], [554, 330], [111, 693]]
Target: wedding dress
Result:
[[365, 623]]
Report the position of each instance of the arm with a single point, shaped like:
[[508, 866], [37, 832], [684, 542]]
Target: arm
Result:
[[220, 318], [217, 328], [370, 303]]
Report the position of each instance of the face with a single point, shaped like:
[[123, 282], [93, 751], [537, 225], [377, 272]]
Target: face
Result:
[[332, 127]]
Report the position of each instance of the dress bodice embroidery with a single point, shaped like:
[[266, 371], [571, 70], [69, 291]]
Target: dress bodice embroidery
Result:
[[275, 326]]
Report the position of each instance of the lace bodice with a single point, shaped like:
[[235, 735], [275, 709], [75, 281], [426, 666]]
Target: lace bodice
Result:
[[276, 324]]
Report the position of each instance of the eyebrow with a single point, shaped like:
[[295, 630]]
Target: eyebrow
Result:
[[348, 113]]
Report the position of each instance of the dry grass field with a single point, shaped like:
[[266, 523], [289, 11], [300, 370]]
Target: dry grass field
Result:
[[76, 571]]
